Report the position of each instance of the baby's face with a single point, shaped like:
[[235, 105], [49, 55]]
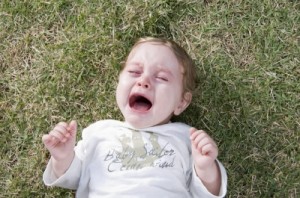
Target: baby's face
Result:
[[150, 88]]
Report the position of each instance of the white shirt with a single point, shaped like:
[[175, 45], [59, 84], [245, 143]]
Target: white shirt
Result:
[[115, 160]]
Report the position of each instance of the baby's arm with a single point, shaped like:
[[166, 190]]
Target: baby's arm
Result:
[[205, 152], [61, 142]]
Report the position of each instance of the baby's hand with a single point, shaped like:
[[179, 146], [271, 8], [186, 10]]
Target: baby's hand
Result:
[[204, 149], [61, 140]]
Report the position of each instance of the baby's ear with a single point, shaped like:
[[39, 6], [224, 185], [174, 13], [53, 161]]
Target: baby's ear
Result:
[[185, 101]]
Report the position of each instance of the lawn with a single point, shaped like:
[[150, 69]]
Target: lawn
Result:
[[59, 60]]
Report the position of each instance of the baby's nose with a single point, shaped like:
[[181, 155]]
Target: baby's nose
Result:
[[144, 82]]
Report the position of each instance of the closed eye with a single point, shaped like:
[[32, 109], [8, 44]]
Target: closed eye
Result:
[[162, 78], [134, 72]]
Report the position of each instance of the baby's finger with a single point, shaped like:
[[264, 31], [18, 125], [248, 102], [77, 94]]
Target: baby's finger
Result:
[[192, 130], [72, 128], [198, 136], [49, 141], [60, 136], [62, 127], [46, 138], [64, 124], [199, 143], [210, 150], [195, 134]]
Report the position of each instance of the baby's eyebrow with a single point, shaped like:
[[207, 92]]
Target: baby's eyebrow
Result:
[[135, 63]]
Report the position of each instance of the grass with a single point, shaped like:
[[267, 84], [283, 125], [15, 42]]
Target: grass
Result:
[[59, 60]]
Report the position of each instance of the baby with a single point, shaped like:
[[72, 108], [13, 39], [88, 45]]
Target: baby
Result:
[[146, 155]]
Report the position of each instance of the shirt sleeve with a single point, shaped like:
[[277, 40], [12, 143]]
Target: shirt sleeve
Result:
[[68, 180], [198, 189]]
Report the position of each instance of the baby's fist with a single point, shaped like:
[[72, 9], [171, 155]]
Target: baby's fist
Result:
[[61, 140], [204, 149]]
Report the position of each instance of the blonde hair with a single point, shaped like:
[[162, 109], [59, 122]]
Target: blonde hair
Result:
[[189, 72]]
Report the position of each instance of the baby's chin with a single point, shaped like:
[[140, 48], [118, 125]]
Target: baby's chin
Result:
[[143, 125], [140, 125]]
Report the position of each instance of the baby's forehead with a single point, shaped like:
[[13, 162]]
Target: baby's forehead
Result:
[[148, 48], [149, 44], [158, 51]]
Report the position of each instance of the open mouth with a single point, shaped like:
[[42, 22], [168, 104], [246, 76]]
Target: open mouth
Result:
[[139, 103]]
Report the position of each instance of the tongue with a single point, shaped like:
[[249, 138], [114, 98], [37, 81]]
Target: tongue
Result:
[[141, 106]]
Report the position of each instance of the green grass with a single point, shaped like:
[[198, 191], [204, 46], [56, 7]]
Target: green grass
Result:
[[59, 60]]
